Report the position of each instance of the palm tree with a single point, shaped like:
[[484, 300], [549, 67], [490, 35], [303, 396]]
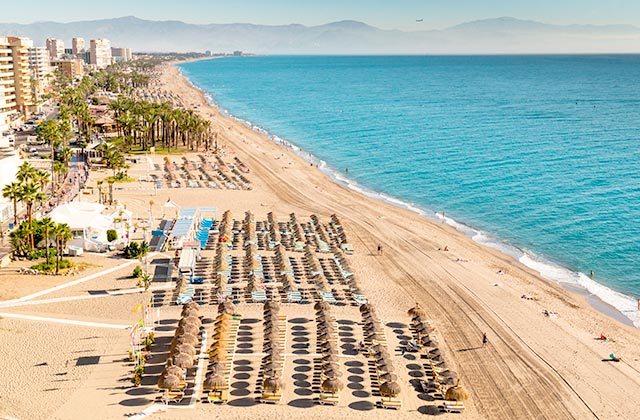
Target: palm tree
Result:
[[49, 132], [62, 234], [12, 192], [48, 226], [20, 240], [25, 172], [30, 193]]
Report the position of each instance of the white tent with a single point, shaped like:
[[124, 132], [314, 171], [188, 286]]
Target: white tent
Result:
[[170, 207], [88, 223]]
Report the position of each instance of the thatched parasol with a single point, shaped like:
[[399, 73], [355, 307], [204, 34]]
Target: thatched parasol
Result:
[[365, 308], [416, 311], [193, 320], [331, 358], [331, 385], [188, 329], [390, 389], [389, 377], [168, 382], [184, 338], [215, 382], [183, 360], [272, 384], [170, 369], [322, 306], [218, 356], [271, 305], [185, 348]]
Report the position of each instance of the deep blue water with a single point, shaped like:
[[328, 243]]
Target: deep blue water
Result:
[[541, 152]]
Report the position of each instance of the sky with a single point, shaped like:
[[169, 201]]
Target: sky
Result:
[[387, 14]]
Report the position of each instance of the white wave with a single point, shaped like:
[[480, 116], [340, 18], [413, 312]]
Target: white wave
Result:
[[623, 303]]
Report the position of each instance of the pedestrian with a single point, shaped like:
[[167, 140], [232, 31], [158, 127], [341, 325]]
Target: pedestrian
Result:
[[485, 340], [379, 249]]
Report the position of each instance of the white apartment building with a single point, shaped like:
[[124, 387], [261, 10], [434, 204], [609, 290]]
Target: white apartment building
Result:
[[77, 46], [41, 70], [7, 86], [55, 48], [121, 54], [100, 50]]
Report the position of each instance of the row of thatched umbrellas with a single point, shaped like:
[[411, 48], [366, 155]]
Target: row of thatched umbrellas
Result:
[[443, 376], [183, 348], [319, 228], [218, 368], [273, 361], [327, 343], [296, 229], [274, 231], [389, 386], [338, 228]]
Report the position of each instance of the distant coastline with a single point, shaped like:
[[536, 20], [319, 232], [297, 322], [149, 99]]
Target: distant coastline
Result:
[[602, 298]]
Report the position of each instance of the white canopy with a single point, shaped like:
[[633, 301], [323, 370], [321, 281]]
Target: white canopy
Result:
[[82, 215]]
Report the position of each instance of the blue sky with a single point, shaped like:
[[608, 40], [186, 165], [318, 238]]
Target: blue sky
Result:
[[391, 14]]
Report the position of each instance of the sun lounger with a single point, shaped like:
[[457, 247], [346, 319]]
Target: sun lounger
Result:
[[259, 296], [329, 399], [347, 248], [270, 397], [453, 406], [391, 403], [218, 397], [174, 396], [359, 299], [294, 297]]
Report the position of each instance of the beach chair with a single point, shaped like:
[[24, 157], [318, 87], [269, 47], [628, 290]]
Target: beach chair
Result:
[[453, 406], [329, 399], [270, 397], [218, 397], [359, 299], [347, 249], [294, 297], [174, 396], [391, 403], [259, 296]]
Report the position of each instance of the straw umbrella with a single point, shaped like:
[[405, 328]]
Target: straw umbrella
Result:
[[215, 382], [322, 306], [364, 308], [330, 358], [183, 360], [417, 311], [184, 339], [185, 348], [272, 384], [193, 320], [390, 389], [168, 382], [170, 369], [218, 356], [188, 329], [389, 377], [217, 367], [331, 385]]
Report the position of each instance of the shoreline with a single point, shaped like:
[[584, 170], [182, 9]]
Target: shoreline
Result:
[[614, 304]]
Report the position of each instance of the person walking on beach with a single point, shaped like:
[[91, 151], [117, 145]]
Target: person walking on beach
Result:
[[379, 249], [485, 340]]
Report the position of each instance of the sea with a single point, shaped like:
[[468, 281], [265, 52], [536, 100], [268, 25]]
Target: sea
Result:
[[537, 156]]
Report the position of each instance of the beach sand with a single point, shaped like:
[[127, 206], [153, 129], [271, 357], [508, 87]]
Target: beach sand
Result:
[[532, 367]]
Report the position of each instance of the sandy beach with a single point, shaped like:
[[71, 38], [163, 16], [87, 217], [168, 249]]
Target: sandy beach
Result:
[[533, 366]]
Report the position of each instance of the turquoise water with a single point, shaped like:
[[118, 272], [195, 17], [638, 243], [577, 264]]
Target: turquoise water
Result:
[[538, 154]]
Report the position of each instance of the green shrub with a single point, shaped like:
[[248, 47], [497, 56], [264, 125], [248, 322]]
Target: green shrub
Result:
[[112, 235], [135, 250], [137, 272], [50, 266]]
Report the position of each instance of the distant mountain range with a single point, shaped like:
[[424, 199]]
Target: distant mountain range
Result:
[[490, 36]]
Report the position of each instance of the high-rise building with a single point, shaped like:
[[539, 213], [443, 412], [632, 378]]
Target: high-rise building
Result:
[[77, 46], [121, 54], [40, 70], [55, 48], [100, 52], [7, 86], [22, 73]]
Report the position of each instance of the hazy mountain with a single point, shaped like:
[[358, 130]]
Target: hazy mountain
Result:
[[496, 36]]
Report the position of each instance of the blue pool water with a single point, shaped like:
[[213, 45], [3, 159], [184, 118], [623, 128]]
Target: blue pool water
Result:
[[536, 155]]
